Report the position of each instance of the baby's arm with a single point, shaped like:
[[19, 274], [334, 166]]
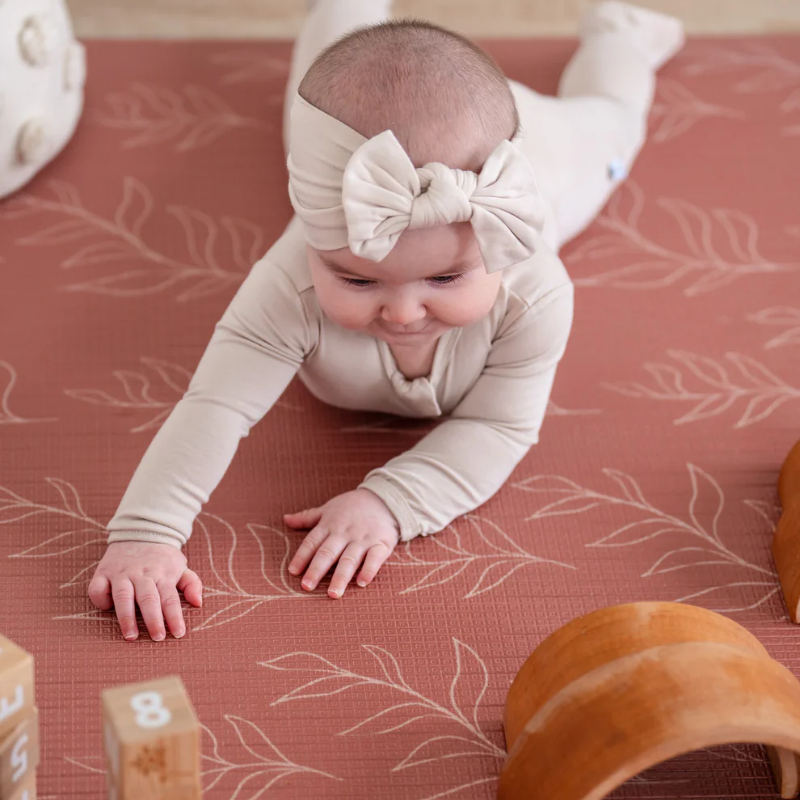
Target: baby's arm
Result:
[[463, 462], [255, 351]]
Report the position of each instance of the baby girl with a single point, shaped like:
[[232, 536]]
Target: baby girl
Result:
[[418, 277]]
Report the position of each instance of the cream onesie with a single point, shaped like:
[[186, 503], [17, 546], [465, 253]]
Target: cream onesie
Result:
[[491, 379]]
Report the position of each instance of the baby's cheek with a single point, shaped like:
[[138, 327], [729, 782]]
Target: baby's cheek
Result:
[[466, 309], [346, 310]]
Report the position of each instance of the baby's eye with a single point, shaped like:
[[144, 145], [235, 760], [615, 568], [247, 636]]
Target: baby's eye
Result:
[[356, 282], [442, 280]]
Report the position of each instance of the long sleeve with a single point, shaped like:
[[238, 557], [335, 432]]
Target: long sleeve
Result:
[[256, 349], [465, 460]]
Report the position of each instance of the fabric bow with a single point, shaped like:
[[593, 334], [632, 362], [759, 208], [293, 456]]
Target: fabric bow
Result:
[[383, 194]]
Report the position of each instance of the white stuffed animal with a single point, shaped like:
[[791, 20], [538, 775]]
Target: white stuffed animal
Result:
[[42, 72]]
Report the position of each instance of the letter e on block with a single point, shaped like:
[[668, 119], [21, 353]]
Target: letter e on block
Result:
[[19, 756], [16, 686], [152, 741]]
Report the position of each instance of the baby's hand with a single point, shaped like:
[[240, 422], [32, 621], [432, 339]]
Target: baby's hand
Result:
[[351, 528], [150, 575]]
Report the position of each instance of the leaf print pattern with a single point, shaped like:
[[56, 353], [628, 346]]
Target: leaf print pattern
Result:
[[497, 559], [251, 66], [780, 316], [701, 542], [112, 273], [238, 586], [8, 380], [172, 382], [719, 247], [768, 70], [82, 530], [676, 110], [459, 730], [758, 387], [194, 116], [137, 390], [209, 268], [238, 776]]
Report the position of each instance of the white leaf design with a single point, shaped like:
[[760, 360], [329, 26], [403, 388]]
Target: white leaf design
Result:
[[228, 772], [719, 247], [759, 408], [138, 390], [251, 66], [60, 233], [784, 317], [678, 110], [705, 509], [194, 115], [465, 697], [490, 549], [8, 380], [219, 256], [685, 558], [704, 487], [62, 544], [762, 389], [733, 597], [232, 594], [777, 72], [78, 531], [458, 733], [432, 750], [636, 533]]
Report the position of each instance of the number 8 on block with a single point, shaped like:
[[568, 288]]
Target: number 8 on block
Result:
[[152, 742]]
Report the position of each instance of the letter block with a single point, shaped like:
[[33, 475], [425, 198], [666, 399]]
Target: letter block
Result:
[[152, 742], [16, 686], [19, 756]]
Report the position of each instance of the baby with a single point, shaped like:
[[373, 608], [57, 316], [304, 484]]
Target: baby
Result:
[[418, 277]]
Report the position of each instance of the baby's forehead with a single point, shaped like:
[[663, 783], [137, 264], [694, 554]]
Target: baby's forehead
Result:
[[418, 252]]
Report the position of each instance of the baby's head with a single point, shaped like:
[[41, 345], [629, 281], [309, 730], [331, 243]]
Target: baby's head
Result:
[[445, 101]]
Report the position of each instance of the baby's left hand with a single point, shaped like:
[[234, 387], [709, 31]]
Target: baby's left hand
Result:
[[353, 527]]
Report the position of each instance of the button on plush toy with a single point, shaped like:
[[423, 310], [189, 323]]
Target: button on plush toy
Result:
[[42, 72]]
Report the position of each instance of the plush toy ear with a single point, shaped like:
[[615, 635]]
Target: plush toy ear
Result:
[[41, 83]]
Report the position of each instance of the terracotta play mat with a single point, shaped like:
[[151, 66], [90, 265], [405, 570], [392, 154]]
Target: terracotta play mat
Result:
[[655, 479]]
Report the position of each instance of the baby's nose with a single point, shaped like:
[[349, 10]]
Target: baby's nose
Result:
[[403, 310]]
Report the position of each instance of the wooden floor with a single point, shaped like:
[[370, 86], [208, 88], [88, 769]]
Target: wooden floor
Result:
[[486, 18]]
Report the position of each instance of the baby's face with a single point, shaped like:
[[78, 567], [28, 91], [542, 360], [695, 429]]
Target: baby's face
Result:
[[432, 280]]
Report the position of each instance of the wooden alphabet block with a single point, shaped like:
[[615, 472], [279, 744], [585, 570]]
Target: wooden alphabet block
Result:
[[19, 756], [26, 790], [152, 742], [16, 686]]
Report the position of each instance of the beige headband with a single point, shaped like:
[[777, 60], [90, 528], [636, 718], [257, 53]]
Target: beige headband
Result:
[[350, 191]]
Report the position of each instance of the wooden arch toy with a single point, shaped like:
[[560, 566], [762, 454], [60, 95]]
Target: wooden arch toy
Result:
[[622, 689], [786, 544]]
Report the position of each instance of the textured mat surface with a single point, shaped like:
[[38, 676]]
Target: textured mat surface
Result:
[[678, 398]]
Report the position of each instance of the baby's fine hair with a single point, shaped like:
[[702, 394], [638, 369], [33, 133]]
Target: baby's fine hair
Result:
[[443, 97]]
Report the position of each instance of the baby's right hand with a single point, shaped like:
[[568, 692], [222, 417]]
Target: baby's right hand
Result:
[[150, 575]]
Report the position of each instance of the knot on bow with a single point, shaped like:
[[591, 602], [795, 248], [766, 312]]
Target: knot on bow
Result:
[[384, 194], [444, 196]]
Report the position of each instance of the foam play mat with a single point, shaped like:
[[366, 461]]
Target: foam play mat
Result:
[[655, 478]]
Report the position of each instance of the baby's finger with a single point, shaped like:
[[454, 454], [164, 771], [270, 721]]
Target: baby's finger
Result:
[[326, 556], [376, 557], [349, 562], [306, 550], [123, 594], [171, 608], [192, 587], [149, 601], [100, 592], [303, 519]]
